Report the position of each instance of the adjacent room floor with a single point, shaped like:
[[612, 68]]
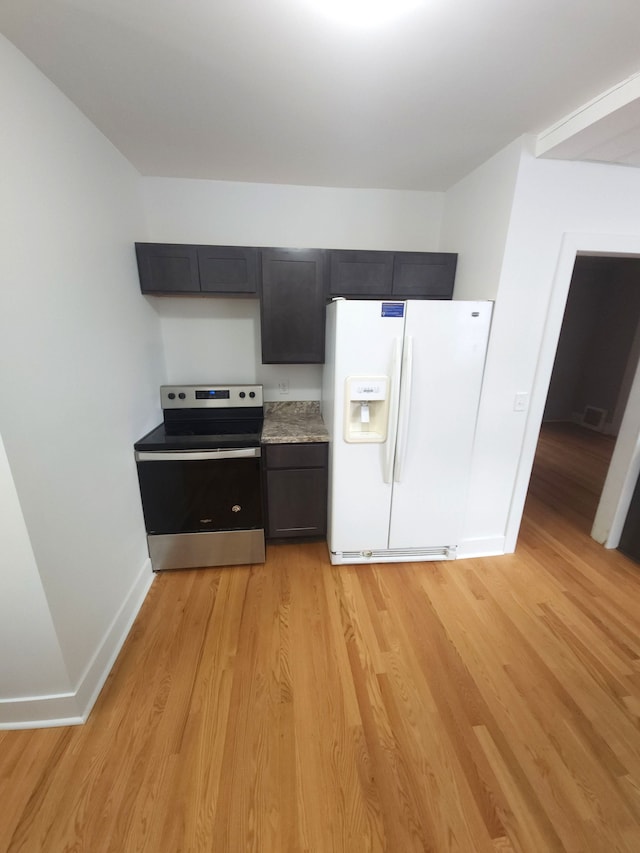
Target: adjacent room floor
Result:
[[477, 705]]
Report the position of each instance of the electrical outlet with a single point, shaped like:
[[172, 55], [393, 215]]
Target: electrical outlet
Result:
[[283, 386]]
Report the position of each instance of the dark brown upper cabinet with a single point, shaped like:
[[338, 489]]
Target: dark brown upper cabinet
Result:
[[182, 269], [228, 270], [364, 274], [293, 284], [292, 306], [391, 275], [168, 268], [424, 275]]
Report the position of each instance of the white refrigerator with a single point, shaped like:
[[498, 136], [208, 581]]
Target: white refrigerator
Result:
[[401, 387]]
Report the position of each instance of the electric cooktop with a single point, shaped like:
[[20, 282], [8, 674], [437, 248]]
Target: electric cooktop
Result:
[[207, 417]]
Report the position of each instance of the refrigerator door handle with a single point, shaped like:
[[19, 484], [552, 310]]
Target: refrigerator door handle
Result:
[[405, 406], [393, 412]]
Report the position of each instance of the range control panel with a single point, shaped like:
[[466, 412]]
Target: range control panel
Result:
[[210, 396]]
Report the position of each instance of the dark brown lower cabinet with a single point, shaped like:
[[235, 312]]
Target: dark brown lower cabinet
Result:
[[296, 490]]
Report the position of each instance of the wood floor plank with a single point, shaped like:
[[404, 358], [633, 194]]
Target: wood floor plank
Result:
[[513, 721], [443, 681], [297, 707]]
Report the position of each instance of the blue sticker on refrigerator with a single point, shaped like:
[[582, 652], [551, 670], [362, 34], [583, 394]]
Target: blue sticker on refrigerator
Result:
[[392, 309]]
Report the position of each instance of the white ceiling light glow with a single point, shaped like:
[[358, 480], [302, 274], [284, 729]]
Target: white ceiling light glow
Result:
[[365, 13]]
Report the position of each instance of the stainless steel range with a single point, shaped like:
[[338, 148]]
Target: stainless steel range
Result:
[[200, 477]]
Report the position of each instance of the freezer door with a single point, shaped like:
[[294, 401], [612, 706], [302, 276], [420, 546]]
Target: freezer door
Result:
[[444, 353], [364, 336]]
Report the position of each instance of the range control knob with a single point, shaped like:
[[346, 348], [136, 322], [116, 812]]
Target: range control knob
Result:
[[171, 395], [242, 395], [252, 394], [182, 395]]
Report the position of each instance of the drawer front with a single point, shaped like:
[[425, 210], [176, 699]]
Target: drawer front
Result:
[[313, 455]]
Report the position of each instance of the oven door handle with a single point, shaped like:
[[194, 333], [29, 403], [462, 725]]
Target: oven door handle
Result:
[[196, 455]]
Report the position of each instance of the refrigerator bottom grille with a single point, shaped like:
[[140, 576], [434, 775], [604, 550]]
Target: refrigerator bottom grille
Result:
[[394, 555]]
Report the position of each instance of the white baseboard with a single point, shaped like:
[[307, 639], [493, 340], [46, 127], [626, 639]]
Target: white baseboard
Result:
[[39, 712], [491, 546], [71, 709]]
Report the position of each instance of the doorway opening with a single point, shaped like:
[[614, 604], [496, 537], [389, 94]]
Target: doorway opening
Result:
[[593, 374]]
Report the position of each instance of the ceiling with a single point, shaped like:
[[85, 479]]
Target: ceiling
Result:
[[274, 91]]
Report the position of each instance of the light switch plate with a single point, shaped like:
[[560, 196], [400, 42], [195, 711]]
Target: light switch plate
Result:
[[520, 401]]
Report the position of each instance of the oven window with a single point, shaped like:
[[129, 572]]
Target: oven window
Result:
[[200, 495]]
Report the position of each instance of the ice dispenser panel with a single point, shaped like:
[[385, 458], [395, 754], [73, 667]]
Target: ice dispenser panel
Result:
[[366, 408]]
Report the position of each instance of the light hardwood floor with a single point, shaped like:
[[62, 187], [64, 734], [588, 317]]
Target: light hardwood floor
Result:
[[481, 705]]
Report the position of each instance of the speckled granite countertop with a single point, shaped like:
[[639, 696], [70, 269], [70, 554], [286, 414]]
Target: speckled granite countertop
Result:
[[293, 422]]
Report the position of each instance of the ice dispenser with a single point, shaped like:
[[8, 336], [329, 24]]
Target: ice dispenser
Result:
[[366, 408]]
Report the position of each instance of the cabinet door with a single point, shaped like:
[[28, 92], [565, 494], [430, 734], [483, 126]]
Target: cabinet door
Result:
[[168, 268], [425, 275], [292, 306], [296, 482], [228, 270], [365, 274], [297, 502]]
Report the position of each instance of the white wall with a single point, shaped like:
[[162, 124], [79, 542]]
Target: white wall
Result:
[[31, 659], [80, 368], [476, 223], [553, 201], [219, 340], [244, 214], [476, 218]]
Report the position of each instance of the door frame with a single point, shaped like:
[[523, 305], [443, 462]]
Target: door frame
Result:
[[625, 464]]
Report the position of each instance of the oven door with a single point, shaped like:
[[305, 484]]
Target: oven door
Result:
[[202, 508]]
